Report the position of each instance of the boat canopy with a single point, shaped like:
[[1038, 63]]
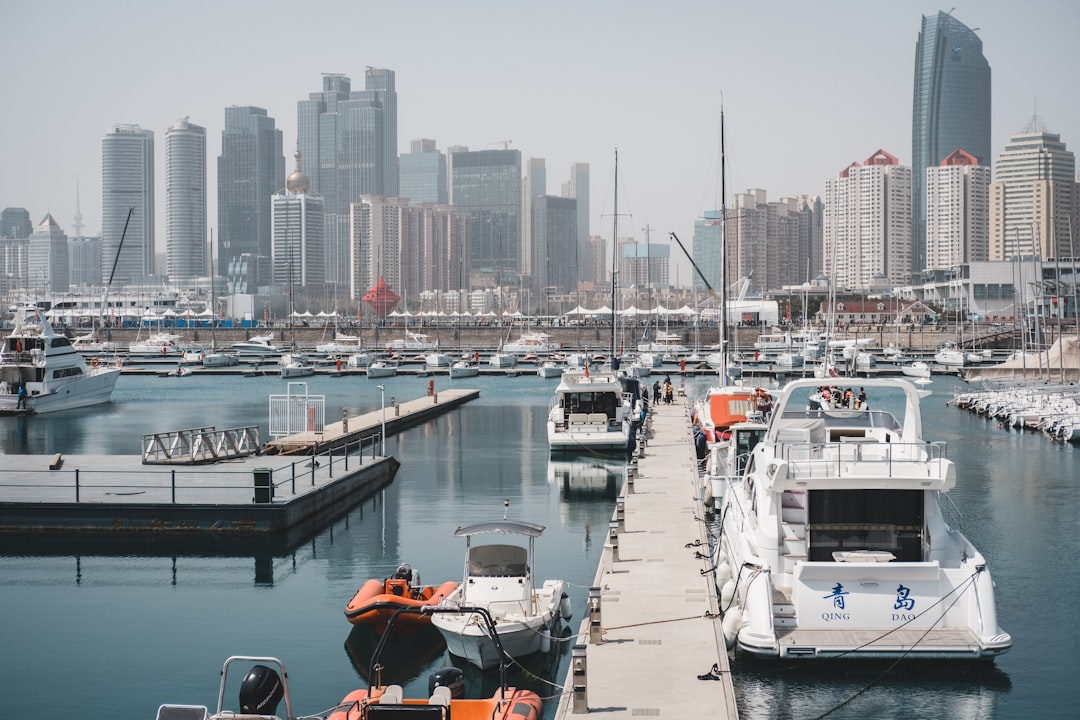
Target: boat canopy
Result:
[[500, 526]]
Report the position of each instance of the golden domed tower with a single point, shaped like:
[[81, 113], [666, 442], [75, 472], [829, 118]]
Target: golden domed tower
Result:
[[297, 181]]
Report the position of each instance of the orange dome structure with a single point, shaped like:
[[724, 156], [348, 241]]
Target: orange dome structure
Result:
[[381, 298]]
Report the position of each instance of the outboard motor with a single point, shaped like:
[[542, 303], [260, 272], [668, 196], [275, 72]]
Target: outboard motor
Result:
[[450, 677], [261, 691]]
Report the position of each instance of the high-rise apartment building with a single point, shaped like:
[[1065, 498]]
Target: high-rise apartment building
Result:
[[251, 168], [47, 263], [950, 110], [185, 201], [867, 224], [957, 212], [15, 230], [533, 185], [127, 182], [577, 187], [768, 242], [414, 247], [423, 173], [350, 139], [486, 184], [297, 227], [556, 253], [84, 262], [1034, 198]]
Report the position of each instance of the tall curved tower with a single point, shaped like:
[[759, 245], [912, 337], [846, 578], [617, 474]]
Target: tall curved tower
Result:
[[950, 110]]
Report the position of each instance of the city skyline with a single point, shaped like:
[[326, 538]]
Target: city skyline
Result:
[[807, 90]]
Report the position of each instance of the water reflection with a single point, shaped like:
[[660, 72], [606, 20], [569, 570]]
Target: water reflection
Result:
[[586, 476]]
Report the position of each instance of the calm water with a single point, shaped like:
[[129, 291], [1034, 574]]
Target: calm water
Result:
[[116, 629]]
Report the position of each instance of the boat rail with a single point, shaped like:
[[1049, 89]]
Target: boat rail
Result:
[[851, 458], [199, 445]]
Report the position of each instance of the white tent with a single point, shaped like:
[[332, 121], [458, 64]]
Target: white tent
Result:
[[579, 311]]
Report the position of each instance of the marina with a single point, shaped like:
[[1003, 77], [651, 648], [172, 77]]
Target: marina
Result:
[[440, 459]]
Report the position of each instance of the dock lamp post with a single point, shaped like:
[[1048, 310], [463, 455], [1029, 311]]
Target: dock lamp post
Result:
[[382, 398]]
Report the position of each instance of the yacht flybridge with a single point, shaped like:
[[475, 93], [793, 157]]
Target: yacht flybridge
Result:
[[834, 543]]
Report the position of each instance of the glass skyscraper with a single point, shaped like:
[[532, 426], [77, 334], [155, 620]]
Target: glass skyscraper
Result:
[[950, 110], [349, 141], [251, 168], [127, 181], [486, 184]]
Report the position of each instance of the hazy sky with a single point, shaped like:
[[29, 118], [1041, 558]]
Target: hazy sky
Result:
[[808, 87]]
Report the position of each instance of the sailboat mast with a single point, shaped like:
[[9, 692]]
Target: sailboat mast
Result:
[[614, 256], [723, 257]]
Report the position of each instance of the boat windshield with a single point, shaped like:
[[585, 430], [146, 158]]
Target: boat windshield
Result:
[[498, 560], [846, 418]]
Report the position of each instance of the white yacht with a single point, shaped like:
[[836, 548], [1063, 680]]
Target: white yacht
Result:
[[258, 345], [41, 372], [664, 342], [589, 412], [834, 542], [532, 343], [413, 342]]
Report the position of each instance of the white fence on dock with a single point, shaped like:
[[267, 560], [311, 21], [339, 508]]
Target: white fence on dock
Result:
[[297, 413]]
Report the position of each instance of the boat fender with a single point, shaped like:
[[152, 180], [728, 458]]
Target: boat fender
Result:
[[545, 644], [448, 677], [723, 572], [732, 623], [261, 691], [708, 493], [727, 592], [565, 608]]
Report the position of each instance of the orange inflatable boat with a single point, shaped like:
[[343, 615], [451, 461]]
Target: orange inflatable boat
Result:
[[377, 600]]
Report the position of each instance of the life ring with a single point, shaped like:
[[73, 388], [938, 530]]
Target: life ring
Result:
[[93, 362]]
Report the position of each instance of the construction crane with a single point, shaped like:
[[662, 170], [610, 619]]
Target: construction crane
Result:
[[504, 143]]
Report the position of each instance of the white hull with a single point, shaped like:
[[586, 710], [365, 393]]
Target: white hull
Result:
[[595, 436], [459, 370], [380, 370], [89, 390], [216, 359], [550, 370], [524, 628]]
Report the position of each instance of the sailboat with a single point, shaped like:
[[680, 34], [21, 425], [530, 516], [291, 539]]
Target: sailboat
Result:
[[724, 404], [215, 358]]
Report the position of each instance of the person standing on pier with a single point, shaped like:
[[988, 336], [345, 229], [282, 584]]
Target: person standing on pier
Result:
[[21, 403]]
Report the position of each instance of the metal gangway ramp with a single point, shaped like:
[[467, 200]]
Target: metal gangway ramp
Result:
[[199, 445]]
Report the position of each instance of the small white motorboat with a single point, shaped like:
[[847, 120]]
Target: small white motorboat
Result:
[[381, 369], [295, 365], [499, 579], [464, 369]]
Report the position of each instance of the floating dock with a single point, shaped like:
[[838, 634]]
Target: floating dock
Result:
[[651, 643], [294, 482]]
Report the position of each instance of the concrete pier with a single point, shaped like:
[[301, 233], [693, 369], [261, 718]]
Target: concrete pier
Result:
[[651, 643]]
